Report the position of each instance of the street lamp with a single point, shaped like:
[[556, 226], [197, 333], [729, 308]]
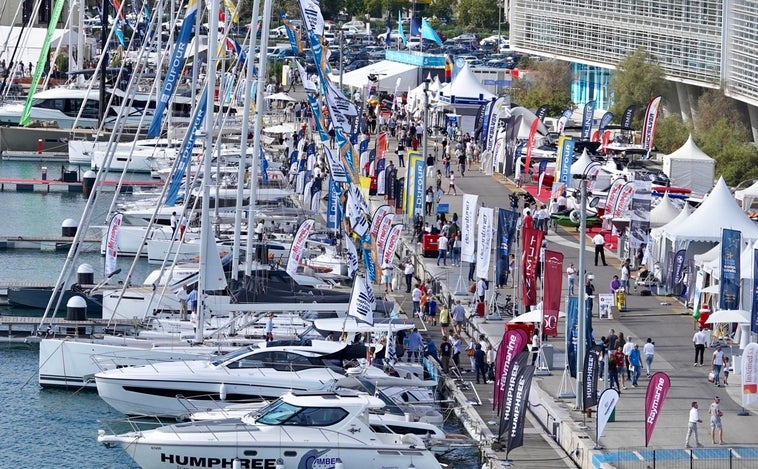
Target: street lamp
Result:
[[500, 6]]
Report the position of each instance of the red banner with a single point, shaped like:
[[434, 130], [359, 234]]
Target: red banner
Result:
[[381, 145], [530, 259], [657, 389], [613, 195], [530, 145], [553, 284], [623, 200], [513, 342]]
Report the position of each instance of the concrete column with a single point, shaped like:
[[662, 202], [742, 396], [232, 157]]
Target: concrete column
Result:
[[753, 114]]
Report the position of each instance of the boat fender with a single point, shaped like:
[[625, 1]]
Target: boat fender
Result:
[[222, 392], [575, 217], [412, 440]]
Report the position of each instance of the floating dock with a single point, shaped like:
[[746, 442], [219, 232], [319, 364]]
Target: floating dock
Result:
[[42, 243], [47, 185]]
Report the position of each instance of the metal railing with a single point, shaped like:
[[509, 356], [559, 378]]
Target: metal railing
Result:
[[681, 458]]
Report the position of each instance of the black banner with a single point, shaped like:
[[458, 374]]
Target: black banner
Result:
[[542, 112], [626, 117], [521, 402], [511, 140], [506, 228], [509, 396], [591, 375]]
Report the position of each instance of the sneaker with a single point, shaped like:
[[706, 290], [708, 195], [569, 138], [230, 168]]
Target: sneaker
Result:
[[623, 387], [699, 445], [687, 446], [695, 364]]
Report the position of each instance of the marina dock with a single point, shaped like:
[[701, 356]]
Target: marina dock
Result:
[[42, 243], [47, 185]]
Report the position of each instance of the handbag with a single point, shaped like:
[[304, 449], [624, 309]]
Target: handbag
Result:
[[470, 352], [711, 377]]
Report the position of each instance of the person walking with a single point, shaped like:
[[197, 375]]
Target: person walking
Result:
[[451, 184], [535, 346], [625, 271], [174, 224], [726, 369], [635, 363], [270, 327], [716, 427], [416, 298], [699, 339], [589, 291], [457, 347], [491, 359], [613, 372], [459, 315], [387, 269], [481, 289], [444, 319], [415, 346], [612, 339], [649, 350], [480, 363], [182, 295], [620, 358], [628, 347], [408, 271], [599, 241], [571, 277], [717, 363], [442, 243], [692, 422], [446, 352]]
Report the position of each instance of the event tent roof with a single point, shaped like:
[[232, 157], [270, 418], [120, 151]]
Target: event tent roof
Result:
[[386, 71], [30, 47], [465, 89], [664, 212], [580, 165], [718, 211], [690, 167], [747, 196]]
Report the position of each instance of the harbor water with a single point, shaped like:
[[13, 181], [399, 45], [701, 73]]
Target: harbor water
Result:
[[47, 428]]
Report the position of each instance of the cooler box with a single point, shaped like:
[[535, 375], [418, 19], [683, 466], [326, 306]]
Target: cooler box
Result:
[[429, 245]]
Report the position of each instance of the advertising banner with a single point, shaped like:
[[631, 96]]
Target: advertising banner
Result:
[[512, 344], [468, 230], [298, 246], [484, 241], [530, 260], [750, 374], [552, 292], [506, 228], [608, 400], [509, 395], [657, 388], [362, 301], [729, 282], [521, 401], [591, 375]]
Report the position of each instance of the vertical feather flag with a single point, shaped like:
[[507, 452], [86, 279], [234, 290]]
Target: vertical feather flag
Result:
[[400, 31]]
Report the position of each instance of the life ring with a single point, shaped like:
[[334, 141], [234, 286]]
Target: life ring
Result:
[[575, 217]]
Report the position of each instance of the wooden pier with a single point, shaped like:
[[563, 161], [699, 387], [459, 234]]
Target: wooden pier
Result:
[[47, 185]]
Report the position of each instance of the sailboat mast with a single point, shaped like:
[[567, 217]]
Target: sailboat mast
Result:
[[243, 143], [257, 128], [103, 61], [205, 223]]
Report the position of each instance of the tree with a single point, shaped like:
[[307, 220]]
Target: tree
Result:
[[712, 106], [477, 13], [439, 9], [671, 133], [548, 82], [636, 80]]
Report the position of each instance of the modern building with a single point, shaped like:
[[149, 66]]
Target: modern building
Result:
[[698, 43]]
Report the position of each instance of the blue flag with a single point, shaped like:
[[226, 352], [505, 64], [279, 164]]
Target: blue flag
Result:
[[427, 32], [729, 294], [587, 116], [415, 26], [185, 154], [400, 27]]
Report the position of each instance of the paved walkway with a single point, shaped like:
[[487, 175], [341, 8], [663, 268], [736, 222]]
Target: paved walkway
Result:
[[667, 323]]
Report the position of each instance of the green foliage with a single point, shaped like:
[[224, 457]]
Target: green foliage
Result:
[[712, 107], [725, 141], [439, 9], [477, 13], [636, 80], [671, 133], [548, 82]]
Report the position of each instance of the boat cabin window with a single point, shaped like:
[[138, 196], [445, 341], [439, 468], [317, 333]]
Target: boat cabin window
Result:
[[70, 107], [283, 413]]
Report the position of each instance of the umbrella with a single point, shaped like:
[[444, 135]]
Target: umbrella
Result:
[[729, 315], [711, 289], [280, 97], [534, 315]]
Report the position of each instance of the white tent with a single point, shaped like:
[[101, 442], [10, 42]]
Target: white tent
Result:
[[465, 89], [32, 39], [580, 165], [527, 118], [387, 71], [664, 212], [656, 234], [702, 229], [747, 196], [690, 167]]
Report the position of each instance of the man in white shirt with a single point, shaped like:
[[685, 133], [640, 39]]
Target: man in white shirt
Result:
[[699, 339], [182, 296], [408, 271], [481, 288], [628, 347], [571, 277], [442, 248], [174, 224], [599, 241], [692, 422], [416, 297], [625, 275], [649, 351]]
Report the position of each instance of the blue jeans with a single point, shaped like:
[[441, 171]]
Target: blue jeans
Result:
[[635, 374], [717, 373], [572, 283], [442, 254], [648, 363]]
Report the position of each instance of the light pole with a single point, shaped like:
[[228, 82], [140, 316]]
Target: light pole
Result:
[[342, 59], [500, 5]]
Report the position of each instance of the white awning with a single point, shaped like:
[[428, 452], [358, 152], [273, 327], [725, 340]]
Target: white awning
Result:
[[387, 71]]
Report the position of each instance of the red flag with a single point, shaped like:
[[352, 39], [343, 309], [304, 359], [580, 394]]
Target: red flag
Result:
[[553, 285], [606, 139], [513, 342], [656, 392], [381, 145], [530, 145], [530, 258]]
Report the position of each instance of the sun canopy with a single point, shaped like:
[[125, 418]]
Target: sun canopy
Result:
[[747, 196], [664, 212], [30, 46], [690, 167], [387, 71], [465, 89]]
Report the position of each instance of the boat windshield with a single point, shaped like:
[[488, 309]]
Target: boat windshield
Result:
[[233, 355], [283, 413]]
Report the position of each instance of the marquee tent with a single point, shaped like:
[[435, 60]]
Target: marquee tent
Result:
[[387, 72], [747, 196], [690, 167], [465, 89], [664, 212], [702, 229], [32, 40]]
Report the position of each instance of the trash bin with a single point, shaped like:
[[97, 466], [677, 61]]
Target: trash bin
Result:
[[547, 352]]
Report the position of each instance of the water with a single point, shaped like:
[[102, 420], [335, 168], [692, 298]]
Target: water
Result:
[[46, 428]]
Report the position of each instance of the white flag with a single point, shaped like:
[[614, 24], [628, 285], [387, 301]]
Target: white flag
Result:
[[298, 246], [484, 240], [111, 244], [608, 400], [391, 244], [351, 256], [362, 301], [750, 374], [468, 222]]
